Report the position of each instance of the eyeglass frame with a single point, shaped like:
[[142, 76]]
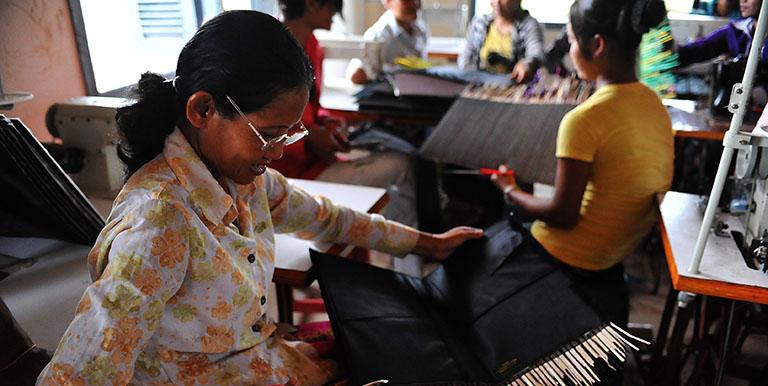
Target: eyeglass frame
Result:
[[266, 145]]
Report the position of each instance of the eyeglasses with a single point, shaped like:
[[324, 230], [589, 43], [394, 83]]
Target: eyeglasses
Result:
[[294, 134]]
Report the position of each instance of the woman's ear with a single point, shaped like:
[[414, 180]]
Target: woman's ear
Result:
[[200, 108], [597, 45]]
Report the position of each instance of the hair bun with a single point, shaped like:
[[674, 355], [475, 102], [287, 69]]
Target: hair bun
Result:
[[647, 14]]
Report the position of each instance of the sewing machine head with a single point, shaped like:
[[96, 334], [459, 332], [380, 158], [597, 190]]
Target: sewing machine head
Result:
[[88, 123], [751, 189]]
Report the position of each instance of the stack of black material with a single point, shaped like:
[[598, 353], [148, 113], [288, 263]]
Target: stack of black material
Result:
[[488, 315], [37, 198]]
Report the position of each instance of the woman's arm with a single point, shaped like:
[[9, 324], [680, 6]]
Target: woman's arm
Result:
[[706, 48], [469, 57], [317, 218], [562, 210]]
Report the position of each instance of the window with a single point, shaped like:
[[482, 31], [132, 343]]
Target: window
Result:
[[118, 40]]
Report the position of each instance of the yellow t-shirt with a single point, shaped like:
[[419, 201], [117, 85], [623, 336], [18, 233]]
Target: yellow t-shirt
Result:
[[626, 133], [499, 43]]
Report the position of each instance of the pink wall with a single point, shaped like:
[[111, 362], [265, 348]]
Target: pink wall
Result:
[[38, 55]]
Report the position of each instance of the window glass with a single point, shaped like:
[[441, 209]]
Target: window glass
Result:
[[129, 37]]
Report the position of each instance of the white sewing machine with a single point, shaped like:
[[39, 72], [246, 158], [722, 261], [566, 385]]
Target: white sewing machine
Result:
[[88, 123], [752, 166]]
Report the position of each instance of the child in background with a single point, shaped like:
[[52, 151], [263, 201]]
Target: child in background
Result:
[[400, 32], [316, 159]]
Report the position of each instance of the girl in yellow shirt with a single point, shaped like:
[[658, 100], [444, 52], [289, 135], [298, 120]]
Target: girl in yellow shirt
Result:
[[614, 154]]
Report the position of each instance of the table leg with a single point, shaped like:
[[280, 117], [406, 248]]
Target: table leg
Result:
[[284, 303], [726, 342], [657, 356], [685, 310]]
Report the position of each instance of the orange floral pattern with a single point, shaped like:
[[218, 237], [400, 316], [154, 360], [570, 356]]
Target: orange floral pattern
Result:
[[168, 248], [178, 289]]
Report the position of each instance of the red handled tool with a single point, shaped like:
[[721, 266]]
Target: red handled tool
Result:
[[481, 171]]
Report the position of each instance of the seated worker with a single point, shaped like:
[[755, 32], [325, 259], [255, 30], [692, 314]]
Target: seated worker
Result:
[[401, 34], [508, 40], [182, 270], [614, 154], [315, 158], [733, 39]]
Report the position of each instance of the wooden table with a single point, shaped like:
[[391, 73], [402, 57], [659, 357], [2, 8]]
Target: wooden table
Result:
[[688, 121], [723, 274]]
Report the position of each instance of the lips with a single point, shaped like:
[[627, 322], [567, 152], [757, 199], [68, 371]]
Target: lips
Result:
[[259, 168]]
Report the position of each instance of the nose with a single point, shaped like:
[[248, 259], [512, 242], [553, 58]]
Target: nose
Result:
[[275, 151]]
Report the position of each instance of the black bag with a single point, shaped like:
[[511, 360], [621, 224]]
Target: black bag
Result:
[[489, 314]]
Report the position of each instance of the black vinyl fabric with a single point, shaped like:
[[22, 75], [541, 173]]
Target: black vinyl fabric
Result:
[[38, 199], [489, 311]]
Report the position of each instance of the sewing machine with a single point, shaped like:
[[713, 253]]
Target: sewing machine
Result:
[[751, 173], [88, 124]]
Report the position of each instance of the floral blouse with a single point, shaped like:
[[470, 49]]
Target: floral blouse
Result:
[[181, 274]]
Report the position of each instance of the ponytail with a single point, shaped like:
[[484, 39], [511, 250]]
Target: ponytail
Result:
[[144, 125], [622, 21]]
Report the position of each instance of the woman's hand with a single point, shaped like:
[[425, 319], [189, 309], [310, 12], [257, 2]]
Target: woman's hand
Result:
[[521, 72], [438, 247], [505, 180]]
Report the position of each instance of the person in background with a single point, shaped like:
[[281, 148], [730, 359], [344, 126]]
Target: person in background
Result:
[[614, 154], [732, 40], [182, 270], [316, 158], [508, 40], [401, 34], [726, 8]]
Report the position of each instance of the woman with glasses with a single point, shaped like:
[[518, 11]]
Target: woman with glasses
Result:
[[182, 269]]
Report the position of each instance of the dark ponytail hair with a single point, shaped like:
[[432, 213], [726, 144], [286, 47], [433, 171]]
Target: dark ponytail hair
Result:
[[622, 22], [247, 55]]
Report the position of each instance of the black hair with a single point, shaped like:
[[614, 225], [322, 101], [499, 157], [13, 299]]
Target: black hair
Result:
[[622, 22], [294, 9], [247, 55]]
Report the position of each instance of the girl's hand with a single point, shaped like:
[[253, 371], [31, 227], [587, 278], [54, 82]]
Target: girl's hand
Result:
[[505, 182], [438, 247]]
